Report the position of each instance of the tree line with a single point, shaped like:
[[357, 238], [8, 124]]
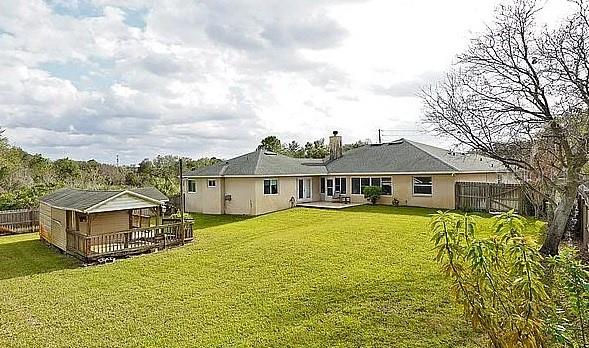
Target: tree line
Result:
[[311, 149], [25, 177]]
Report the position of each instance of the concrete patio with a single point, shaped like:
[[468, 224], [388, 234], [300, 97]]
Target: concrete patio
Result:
[[328, 205]]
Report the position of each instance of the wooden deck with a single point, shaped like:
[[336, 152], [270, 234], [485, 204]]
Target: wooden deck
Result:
[[126, 243], [328, 205]]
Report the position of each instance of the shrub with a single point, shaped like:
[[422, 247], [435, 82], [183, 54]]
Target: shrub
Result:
[[372, 193], [178, 215], [498, 280], [569, 320], [507, 289]]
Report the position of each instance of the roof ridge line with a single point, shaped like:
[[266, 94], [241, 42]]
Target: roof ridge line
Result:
[[259, 154], [430, 154]]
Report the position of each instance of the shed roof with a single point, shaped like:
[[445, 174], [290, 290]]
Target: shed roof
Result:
[[84, 200]]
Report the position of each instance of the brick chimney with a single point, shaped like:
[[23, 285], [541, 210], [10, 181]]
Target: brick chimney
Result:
[[335, 146]]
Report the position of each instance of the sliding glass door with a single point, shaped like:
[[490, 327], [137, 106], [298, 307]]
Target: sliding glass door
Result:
[[304, 190]]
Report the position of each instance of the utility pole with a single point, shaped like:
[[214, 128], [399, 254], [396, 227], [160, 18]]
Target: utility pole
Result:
[[380, 136], [182, 202], [117, 160]]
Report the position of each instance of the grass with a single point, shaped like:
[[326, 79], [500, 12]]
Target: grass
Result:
[[359, 277]]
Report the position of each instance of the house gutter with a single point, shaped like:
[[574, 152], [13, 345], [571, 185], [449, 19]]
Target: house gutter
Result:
[[344, 174]]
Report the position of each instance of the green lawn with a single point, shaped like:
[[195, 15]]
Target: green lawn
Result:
[[359, 277]]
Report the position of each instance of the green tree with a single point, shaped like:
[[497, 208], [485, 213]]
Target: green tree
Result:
[[316, 149], [520, 94], [67, 170], [271, 143]]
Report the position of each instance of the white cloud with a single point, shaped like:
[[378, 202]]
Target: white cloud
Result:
[[213, 77]]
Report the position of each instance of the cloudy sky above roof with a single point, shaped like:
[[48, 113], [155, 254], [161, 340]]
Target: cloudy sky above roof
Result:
[[96, 78]]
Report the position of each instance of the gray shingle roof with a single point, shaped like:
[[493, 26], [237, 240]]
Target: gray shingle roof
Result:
[[76, 199], [262, 162], [401, 156], [405, 156]]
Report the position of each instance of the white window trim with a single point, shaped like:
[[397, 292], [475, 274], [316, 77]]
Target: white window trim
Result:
[[370, 177], [277, 187], [310, 187], [188, 186], [209, 183], [422, 194], [340, 184], [392, 186], [352, 186]]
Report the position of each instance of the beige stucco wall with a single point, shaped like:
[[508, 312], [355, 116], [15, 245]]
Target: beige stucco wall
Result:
[[242, 191], [248, 198], [443, 194], [194, 199], [316, 188], [477, 177], [287, 188], [247, 195], [206, 199]]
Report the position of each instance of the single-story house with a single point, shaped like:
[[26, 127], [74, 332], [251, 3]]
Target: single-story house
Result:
[[92, 224], [262, 181]]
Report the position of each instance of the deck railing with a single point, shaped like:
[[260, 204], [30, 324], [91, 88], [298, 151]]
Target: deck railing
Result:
[[19, 221], [129, 242]]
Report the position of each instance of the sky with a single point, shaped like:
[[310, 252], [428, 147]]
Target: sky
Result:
[[93, 79]]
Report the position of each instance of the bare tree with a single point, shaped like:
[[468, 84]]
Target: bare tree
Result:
[[520, 94]]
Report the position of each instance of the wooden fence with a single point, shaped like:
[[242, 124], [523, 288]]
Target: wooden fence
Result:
[[19, 221], [479, 196]]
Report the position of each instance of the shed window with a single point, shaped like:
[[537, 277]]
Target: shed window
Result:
[[212, 182], [270, 186], [422, 185], [192, 185]]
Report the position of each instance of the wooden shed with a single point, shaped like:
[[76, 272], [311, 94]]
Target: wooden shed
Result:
[[92, 224]]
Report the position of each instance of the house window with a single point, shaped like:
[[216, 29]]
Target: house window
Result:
[[191, 185], [422, 185], [340, 185], [363, 183], [330, 187], [375, 182], [387, 187], [356, 186], [322, 185], [212, 182], [270, 186]]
